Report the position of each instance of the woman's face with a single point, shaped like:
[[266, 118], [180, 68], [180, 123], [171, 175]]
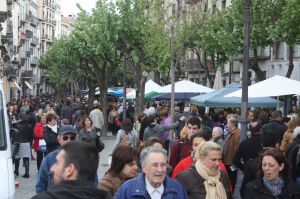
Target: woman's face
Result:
[[271, 168], [196, 142], [43, 119], [87, 122], [212, 160], [130, 169]]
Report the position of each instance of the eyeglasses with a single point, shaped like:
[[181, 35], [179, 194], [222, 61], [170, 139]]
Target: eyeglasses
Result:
[[66, 137]]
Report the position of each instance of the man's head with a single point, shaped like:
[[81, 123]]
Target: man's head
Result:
[[217, 132], [154, 165], [255, 127], [232, 123], [276, 115], [193, 125], [269, 138], [66, 134], [75, 161]]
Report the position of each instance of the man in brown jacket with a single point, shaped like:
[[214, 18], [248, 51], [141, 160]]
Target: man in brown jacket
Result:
[[230, 147]]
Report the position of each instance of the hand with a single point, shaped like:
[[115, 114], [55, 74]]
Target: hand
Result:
[[182, 118]]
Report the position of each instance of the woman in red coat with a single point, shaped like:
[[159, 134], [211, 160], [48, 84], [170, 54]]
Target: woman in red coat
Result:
[[38, 135]]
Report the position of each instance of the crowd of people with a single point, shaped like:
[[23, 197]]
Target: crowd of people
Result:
[[196, 156]]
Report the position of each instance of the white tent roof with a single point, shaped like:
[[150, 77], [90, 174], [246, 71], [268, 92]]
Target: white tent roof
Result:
[[186, 86], [274, 86], [152, 86]]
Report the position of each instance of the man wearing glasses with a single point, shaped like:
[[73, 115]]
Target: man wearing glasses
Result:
[[66, 134]]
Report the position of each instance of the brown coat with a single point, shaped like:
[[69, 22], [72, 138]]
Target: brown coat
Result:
[[231, 145], [111, 183]]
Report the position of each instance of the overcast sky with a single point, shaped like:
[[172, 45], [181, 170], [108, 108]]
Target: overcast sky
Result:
[[69, 7]]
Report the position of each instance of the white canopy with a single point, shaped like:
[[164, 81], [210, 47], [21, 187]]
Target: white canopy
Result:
[[274, 86], [186, 86], [151, 86]]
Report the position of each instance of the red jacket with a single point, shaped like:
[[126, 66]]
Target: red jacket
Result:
[[38, 134], [187, 162], [184, 152]]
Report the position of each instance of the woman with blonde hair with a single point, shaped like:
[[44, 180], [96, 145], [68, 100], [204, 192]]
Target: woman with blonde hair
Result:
[[288, 135], [204, 179]]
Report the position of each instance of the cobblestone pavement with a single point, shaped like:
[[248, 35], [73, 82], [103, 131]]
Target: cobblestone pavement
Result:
[[27, 186]]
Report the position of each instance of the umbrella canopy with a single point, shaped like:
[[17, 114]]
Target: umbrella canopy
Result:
[[178, 96], [186, 86], [149, 96], [218, 83], [274, 86], [217, 99], [151, 86]]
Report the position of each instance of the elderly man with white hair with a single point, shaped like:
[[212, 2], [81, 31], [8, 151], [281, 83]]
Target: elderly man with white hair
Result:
[[293, 155], [217, 136]]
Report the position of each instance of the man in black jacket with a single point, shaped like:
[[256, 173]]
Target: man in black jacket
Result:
[[276, 125], [73, 173]]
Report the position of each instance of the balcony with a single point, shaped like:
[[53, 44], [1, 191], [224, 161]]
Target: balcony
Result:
[[34, 61], [34, 41], [9, 2], [45, 37], [25, 54], [32, 19], [3, 16], [27, 74]]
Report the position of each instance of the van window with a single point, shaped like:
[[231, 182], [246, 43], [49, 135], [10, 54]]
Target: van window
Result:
[[3, 145]]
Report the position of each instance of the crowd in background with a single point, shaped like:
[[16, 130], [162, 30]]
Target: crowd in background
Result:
[[197, 152]]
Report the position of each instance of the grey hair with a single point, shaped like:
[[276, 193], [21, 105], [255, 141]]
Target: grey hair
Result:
[[218, 129], [233, 121], [151, 149], [203, 149]]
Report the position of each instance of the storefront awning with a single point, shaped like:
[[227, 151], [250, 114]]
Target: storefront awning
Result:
[[28, 85], [17, 85]]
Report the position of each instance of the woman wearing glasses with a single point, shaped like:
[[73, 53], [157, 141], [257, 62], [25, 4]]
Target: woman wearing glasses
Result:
[[51, 132], [274, 178], [89, 134]]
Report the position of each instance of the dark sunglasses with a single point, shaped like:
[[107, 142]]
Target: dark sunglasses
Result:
[[71, 137]]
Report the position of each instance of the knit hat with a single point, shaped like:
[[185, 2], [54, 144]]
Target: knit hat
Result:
[[296, 131], [67, 129]]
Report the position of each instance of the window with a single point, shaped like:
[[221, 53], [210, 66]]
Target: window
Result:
[[297, 51], [223, 4], [3, 145], [213, 9], [280, 50]]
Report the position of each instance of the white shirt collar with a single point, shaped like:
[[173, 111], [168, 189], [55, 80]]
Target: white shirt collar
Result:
[[154, 191]]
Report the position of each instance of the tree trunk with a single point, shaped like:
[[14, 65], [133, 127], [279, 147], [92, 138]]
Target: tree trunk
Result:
[[140, 90], [206, 70], [259, 74], [291, 61], [103, 100], [91, 93]]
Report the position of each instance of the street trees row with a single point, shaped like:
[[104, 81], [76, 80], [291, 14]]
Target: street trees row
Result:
[[148, 36]]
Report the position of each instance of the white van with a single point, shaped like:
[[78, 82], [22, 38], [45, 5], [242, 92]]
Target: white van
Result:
[[7, 181]]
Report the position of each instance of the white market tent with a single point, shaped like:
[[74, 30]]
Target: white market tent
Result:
[[186, 86], [274, 86], [151, 86]]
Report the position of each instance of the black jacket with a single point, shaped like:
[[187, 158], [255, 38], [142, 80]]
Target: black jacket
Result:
[[73, 189], [194, 183], [278, 127], [51, 139], [291, 155], [24, 129], [257, 190], [243, 152]]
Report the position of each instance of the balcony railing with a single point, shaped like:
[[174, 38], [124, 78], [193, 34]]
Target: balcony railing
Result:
[[9, 2], [3, 16], [34, 61], [27, 74], [34, 41]]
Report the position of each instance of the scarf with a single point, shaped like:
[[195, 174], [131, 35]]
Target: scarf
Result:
[[53, 128], [275, 186], [214, 188]]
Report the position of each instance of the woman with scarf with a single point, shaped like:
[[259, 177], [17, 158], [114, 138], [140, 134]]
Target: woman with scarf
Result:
[[204, 179], [273, 180], [123, 167], [51, 132]]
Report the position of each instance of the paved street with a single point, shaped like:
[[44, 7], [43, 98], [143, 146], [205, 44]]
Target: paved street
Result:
[[27, 186]]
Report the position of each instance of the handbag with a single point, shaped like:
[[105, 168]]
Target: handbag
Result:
[[42, 145]]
